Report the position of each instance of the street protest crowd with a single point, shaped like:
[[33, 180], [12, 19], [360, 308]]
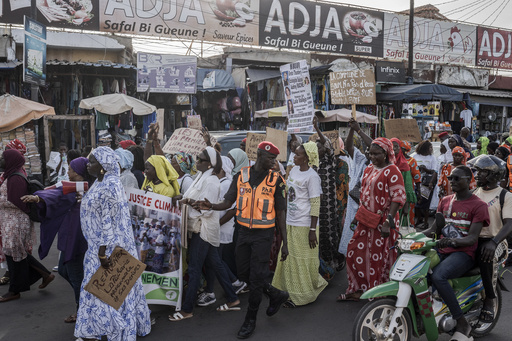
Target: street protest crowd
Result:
[[258, 227]]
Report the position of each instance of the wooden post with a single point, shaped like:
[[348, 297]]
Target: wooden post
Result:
[[354, 116]]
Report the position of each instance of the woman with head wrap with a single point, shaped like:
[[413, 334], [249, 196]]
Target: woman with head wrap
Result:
[[128, 179], [205, 229], [405, 169], [161, 178], [299, 273], [382, 195], [481, 146], [60, 214], [185, 167], [106, 223], [17, 230], [239, 159], [459, 158], [454, 141]]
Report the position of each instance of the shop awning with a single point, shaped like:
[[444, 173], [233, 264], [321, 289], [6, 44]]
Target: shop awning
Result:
[[419, 92], [114, 104], [214, 80], [10, 65], [344, 115], [16, 111], [260, 75], [489, 97]]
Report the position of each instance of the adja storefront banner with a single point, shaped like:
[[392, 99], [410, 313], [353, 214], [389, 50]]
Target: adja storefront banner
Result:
[[494, 48]]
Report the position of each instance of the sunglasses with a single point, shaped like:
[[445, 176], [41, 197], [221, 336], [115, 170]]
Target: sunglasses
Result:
[[456, 178]]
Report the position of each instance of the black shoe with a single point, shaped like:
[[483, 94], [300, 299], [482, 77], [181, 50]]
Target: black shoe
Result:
[[277, 298], [247, 329]]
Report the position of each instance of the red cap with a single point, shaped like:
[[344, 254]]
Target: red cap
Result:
[[126, 143], [269, 147], [443, 134], [244, 140]]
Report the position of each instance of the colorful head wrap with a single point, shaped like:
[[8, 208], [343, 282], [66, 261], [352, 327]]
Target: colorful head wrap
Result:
[[460, 150], [241, 159], [16, 144], [126, 143], [386, 144], [400, 160], [108, 159], [125, 158], [186, 163], [312, 152], [484, 142], [164, 170], [509, 140], [405, 145], [79, 165]]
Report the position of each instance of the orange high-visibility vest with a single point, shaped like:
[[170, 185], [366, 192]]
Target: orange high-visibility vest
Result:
[[255, 205]]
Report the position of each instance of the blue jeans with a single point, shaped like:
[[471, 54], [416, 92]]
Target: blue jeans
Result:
[[199, 252], [73, 272], [210, 271], [452, 265]]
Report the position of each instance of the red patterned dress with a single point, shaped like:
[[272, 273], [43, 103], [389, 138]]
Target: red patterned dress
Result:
[[369, 258]]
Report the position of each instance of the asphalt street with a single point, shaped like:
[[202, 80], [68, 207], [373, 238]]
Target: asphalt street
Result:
[[39, 315]]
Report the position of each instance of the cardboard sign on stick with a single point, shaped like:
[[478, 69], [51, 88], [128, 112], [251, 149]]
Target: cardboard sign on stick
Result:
[[186, 140], [353, 87], [403, 129], [251, 146], [112, 285], [280, 139], [194, 122]]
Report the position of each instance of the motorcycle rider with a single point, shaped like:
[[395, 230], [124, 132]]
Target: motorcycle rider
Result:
[[490, 171], [467, 214]]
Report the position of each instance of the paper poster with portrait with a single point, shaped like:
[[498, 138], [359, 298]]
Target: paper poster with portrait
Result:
[[156, 227]]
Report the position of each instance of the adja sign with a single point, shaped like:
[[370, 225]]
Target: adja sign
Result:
[[494, 48]]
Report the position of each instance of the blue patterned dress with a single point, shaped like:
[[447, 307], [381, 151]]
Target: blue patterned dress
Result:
[[106, 221]]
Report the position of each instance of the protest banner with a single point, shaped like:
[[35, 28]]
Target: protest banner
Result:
[[194, 122], [353, 87], [251, 146], [157, 230], [403, 129], [299, 101], [331, 135], [112, 285], [280, 139], [186, 140]]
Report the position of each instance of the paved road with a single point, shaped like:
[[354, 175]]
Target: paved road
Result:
[[39, 315]]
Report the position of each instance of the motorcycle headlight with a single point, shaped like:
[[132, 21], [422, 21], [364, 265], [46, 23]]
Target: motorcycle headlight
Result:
[[405, 244]]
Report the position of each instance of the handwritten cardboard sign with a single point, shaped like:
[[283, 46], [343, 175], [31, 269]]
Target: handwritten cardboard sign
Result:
[[353, 87], [112, 285], [194, 122], [280, 139], [403, 129], [251, 146], [331, 135], [186, 140]]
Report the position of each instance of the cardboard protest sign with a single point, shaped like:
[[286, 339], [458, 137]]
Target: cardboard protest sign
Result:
[[353, 87], [186, 140], [112, 285], [403, 129], [332, 135], [280, 139], [251, 146], [157, 231], [194, 122]]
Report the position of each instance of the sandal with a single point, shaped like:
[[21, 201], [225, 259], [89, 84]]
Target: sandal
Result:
[[486, 316], [348, 297], [289, 304], [4, 280], [47, 281], [179, 316], [226, 307], [70, 319]]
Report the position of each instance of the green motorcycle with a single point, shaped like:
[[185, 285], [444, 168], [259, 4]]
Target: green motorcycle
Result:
[[405, 306]]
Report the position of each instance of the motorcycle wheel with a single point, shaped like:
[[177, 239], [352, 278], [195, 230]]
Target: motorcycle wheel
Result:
[[374, 318], [483, 329]]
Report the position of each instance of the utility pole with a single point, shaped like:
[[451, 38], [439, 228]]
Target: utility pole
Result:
[[410, 79]]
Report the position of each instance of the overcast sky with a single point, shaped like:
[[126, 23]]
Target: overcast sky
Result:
[[482, 12]]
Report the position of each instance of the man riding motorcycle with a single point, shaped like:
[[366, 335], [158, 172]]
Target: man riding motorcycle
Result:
[[490, 170], [465, 215]]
